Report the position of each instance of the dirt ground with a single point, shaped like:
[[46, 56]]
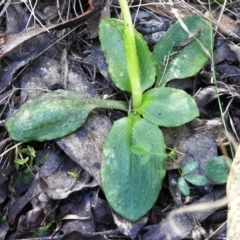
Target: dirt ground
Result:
[[52, 190]]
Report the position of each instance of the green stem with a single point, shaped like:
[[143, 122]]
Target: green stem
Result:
[[119, 105], [131, 56], [215, 81]]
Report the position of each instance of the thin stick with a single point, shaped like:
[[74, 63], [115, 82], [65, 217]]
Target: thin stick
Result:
[[11, 148]]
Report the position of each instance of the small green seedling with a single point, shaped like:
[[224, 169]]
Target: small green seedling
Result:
[[39, 232], [24, 160], [73, 175], [186, 176], [134, 152], [24, 156], [3, 219], [218, 169]]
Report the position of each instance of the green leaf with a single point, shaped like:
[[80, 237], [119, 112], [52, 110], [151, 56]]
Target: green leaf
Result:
[[217, 169], [142, 147], [73, 174], [168, 107], [219, 1], [185, 61], [19, 161], [195, 179], [189, 167], [28, 151], [145, 159], [53, 115], [132, 188], [3, 219], [112, 42], [183, 186], [138, 150]]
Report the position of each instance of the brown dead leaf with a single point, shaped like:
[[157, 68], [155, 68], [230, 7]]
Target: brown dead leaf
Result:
[[94, 21], [45, 73], [236, 49], [81, 209], [184, 225], [229, 72], [128, 228], [50, 166], [30, 222], [33, 191], [101, 211], [224, 53], [7, 76], [85, 145], [9, 42], [208, 94], [4, 227], [169, 9], [60, 184], [225, 25]]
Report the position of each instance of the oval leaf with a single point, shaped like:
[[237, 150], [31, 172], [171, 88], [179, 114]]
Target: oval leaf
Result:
[[185, 55], [139, 150], [195, 179], [143, 147], [112, 42], [217, 169], [53, 115], [168, 107], [132, 188], [189, 167], [183, 186]]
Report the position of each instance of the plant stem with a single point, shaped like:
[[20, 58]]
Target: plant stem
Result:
[[131, 56], [119, 105], [215, 81]]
